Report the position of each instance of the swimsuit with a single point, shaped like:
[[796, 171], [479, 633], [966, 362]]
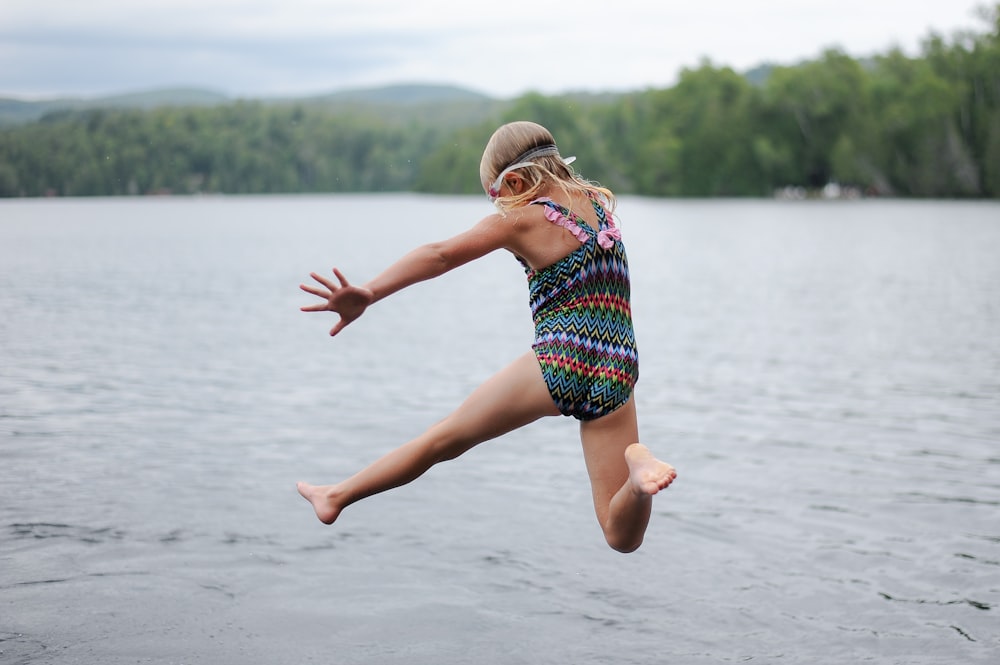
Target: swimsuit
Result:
[[584, 340]]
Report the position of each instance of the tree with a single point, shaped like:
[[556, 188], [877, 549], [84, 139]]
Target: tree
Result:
[[813, 108]]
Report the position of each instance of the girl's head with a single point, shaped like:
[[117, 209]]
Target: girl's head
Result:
[[521, 159]]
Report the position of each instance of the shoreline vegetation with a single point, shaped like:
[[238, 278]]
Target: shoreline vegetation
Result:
[[924, 126]]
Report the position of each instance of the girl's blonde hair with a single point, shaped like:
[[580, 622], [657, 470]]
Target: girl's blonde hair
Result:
[[513, 140]]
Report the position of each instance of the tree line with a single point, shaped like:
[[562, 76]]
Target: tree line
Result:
[[893, 124]]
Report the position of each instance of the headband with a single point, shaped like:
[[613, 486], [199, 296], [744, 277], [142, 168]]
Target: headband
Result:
[[524, 159]]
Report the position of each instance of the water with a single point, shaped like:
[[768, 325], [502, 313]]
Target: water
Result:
[[825, 377]]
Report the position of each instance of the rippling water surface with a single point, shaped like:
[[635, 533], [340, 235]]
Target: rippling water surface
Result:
[[825, 377]]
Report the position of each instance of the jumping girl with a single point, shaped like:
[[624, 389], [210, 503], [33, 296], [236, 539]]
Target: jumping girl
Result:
[[583, 362]]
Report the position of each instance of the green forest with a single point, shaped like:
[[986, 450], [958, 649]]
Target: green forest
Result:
[[893, 124]]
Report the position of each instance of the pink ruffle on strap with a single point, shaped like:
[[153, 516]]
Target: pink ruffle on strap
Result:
[[556, 217], [607, 237]]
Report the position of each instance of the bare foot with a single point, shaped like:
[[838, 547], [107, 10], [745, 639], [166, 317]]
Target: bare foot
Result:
[[322, 500], [647, 474]]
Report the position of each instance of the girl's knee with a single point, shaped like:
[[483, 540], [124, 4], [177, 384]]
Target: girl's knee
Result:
[[623, 545], [447, 441]]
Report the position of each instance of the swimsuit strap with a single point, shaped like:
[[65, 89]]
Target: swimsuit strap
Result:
[[603, 218], [609, 233]]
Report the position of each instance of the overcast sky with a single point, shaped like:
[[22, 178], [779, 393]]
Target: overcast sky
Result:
[[503, 48]]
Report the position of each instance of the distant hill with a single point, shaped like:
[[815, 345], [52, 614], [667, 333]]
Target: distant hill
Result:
[[405, 94], [16, 111], [165, 97], [759, 75], [438, 105]]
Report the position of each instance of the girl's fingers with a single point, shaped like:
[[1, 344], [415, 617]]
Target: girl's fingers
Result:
[[325, 281], [315, 291], [328, 295]]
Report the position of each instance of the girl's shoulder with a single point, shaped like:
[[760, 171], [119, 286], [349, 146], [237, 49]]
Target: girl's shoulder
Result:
[[507, 228], [515, 218]]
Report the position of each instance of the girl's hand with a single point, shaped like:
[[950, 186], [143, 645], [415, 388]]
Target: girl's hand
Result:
[[348, 301]]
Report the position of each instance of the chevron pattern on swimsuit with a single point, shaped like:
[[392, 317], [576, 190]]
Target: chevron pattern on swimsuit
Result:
[[584, 340]]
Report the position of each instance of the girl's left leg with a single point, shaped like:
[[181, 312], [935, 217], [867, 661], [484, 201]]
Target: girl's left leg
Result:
[[512, 398], [624, 476]]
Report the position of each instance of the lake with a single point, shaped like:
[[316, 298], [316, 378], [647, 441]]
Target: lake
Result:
[[825, 376]]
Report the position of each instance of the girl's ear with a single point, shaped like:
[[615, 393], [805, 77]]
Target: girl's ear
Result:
[[515, 182]]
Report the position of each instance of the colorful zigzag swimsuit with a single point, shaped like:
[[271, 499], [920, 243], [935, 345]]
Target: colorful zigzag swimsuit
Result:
[[584, 339]]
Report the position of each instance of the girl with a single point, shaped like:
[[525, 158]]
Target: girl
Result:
[[583, 362]]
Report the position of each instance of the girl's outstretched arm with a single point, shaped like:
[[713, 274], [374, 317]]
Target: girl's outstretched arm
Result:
[[422, 263]]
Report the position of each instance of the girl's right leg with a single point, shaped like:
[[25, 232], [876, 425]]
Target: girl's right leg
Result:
[[624, 476], [512, 398]]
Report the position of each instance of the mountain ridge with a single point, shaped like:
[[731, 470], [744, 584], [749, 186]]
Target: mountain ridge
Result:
[[15, 111]]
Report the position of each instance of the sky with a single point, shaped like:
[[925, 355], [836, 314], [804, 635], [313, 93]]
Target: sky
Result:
[[504, 48]]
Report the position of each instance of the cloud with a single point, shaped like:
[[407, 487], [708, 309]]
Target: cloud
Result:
[[104, 58], [271, 47]]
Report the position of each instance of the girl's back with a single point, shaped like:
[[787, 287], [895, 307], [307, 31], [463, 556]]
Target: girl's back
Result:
[[538, 242]]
